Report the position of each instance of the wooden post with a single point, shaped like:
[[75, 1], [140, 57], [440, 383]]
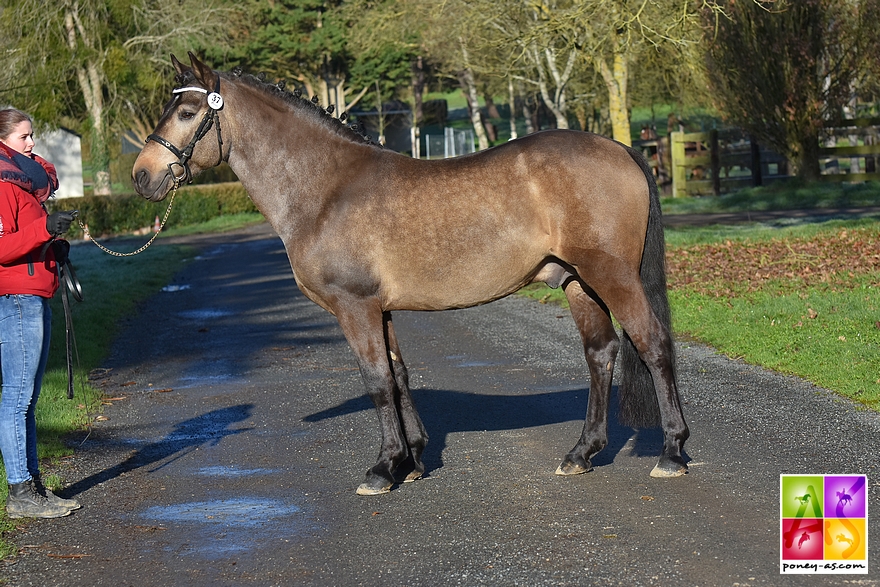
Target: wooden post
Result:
[[679, 172], [715, 161]]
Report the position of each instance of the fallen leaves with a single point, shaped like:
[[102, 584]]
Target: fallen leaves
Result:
[[732, 268]]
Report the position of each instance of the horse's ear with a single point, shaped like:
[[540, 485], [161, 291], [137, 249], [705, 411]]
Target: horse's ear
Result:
[[178, 66], [203, 73]]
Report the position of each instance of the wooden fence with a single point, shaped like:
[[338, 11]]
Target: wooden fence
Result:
[[717, 162]]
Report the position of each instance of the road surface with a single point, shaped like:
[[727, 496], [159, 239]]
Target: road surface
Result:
[[242, 432]]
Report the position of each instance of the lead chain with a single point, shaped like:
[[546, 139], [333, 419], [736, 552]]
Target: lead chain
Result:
[[143, 248]]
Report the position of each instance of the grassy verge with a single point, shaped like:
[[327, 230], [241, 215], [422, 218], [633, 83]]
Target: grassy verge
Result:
[[788, 195], [113, 287], [801, 300]]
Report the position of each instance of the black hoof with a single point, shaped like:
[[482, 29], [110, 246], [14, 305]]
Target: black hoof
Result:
[[409, 471], [573, 465], [375, 484], [669, 467]]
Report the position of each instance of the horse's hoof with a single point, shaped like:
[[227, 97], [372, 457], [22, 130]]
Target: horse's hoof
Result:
[[365, 489], [667, 468], [414, 476], [568, 468]]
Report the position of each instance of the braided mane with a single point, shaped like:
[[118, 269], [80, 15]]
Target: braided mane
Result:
[[296, 100]]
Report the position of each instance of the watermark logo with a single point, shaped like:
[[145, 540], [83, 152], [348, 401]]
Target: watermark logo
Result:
[[824, 524]]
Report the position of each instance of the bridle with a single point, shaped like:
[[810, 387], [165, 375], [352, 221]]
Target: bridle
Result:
[[215, 103]]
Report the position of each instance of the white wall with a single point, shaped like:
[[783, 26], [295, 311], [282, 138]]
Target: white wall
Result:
[[63, 149]]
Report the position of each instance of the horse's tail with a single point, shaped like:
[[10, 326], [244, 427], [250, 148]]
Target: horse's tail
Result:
[[638, 398]]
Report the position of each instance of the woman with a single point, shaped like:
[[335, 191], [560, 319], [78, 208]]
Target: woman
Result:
[[28, 279]]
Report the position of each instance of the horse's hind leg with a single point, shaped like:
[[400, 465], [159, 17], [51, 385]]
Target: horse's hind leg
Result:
[[413, 429], [600, 348], [653, 342]]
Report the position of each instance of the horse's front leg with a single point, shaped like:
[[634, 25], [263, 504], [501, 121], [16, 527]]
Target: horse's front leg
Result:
[[362, 323], [413, 429]]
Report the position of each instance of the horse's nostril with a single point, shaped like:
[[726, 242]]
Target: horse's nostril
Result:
[[141, 178]]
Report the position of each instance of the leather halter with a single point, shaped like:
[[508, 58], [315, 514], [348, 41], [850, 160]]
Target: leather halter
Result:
[[215, 103]]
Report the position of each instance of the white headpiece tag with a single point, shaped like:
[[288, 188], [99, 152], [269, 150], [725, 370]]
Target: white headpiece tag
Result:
[[215, 101]]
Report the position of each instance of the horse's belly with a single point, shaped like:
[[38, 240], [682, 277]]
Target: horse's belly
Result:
[[444, 288]]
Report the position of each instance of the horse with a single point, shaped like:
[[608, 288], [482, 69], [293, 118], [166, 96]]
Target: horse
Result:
[[369, 231]]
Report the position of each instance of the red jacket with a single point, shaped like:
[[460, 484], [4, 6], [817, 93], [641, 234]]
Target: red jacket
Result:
[[22, 236]]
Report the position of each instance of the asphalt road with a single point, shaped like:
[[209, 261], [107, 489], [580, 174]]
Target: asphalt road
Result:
[[241, 431]]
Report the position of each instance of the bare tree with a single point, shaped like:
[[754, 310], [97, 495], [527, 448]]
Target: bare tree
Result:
[[96, 62], [557, 38], [782, 71]]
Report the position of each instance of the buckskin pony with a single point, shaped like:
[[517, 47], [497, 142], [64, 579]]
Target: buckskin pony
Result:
[[369, 231]]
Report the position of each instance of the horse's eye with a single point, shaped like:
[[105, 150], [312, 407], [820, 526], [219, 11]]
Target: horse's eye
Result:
[[186, 115]]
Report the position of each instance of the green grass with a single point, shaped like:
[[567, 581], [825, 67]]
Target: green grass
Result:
[[218, 224], [113, 287], [693, 235], [788, 195], [829, 338]]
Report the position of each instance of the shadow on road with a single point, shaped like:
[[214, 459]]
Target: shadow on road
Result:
[[476, 413], [211, 427]]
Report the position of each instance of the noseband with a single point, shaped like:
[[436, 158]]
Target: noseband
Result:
[[215, 103]]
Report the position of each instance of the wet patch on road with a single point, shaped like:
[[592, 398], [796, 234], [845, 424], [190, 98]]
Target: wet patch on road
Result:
[[221, 471], [463, 362], [226, 526], [240, 512], [208, 374], [204, 314]]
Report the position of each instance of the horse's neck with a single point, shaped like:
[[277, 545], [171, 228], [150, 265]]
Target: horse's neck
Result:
[[289, 165]]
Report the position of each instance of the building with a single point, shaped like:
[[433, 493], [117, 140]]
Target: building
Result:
[[63, 149]]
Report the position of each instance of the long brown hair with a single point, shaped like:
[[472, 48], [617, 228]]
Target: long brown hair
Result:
[[9, 119]]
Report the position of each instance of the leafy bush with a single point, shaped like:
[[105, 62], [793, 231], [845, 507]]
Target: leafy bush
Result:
[[124, 213]]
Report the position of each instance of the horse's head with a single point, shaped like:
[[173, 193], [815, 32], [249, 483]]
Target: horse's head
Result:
[[176, 150]]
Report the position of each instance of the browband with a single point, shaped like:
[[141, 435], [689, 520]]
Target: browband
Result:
[[188, 89]]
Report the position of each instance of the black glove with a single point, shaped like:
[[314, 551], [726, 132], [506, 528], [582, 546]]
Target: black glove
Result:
[[58, 222], [61, 248]]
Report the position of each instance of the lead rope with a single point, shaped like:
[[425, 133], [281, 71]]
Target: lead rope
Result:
[[71, 337], [70, 285], [88, 236]]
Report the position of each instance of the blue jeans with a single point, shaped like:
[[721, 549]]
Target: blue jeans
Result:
[[25, 332]]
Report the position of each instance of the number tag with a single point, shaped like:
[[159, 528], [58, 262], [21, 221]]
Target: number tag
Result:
[[215, 101]]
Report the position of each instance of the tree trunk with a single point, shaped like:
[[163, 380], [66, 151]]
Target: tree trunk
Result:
[[807, 158], [556, 103], [615, 78], [418, 115], [90, 82], [558, 113], [491, 108], [529, 116], [513, 134], [466, 79]]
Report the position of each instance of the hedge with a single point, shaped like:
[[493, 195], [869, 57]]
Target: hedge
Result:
[[124, 213]]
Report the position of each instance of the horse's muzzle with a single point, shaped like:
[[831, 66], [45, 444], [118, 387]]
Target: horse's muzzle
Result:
[[152, 188]]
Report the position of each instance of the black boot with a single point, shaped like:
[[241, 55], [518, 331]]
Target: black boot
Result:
[[25, 502], [70, 504]]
